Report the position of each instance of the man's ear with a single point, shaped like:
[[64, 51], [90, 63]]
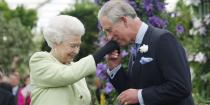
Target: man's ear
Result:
[[124, 19]]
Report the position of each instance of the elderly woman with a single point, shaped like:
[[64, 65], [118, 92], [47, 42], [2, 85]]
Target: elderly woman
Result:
[[55, 79]]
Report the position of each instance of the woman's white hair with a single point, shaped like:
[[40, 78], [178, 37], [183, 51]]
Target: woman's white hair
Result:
[[61, 27], [115, 9]]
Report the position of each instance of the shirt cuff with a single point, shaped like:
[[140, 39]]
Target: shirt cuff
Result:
[[114, 71], [141, 101]]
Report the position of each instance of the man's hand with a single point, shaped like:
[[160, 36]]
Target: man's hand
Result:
[[129, 96], [113, 59]]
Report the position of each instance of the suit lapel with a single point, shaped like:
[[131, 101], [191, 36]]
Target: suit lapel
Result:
[[147, 41], [135, 71]]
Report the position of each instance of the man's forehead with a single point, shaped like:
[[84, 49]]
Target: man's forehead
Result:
[[104, 21], [75, 42]]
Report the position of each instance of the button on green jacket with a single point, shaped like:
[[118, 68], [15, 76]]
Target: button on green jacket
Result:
[[53, 83]]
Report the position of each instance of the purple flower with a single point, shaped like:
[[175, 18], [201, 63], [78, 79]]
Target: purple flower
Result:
[[160, 6], [179, 28], [173, 14], [133, 4], [157, 22], [108, 88], [97, 2], [148, 7], [124, 53], [101, 71]]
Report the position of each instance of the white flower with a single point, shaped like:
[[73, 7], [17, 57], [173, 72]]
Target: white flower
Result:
[[200, 57], [188, 2], [202, 30], [190, 57], [193, 32], [192, 73], [196, 2], [144, 48], [204, 77], [207, 19], [197, 23], [4, 38], [192, 2]]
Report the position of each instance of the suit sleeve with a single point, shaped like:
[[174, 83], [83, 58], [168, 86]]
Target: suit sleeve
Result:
[[11, 100], [172, 63], [47, 73], [120, 80]]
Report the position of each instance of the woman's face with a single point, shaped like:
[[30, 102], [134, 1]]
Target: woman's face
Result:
[[68, 49]]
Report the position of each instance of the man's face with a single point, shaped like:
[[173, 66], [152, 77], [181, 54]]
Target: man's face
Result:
[[14, 80], [117, 31]]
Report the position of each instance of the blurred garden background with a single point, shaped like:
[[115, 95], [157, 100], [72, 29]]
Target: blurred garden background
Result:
[[21, 23]]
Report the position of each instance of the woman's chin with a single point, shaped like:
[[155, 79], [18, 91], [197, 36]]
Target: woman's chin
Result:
[[68, 61]]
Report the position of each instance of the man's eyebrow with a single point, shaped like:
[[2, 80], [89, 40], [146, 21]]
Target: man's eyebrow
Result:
[[74, 42]]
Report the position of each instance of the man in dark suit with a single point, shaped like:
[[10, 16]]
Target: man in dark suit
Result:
[[14, 79], [158, 71], [6, 97]]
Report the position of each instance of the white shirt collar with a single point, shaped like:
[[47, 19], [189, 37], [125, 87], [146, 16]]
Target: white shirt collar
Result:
[[141, 33]]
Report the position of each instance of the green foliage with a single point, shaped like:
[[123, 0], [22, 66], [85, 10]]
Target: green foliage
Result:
[[87, 13], [16, 39], [193, 45], [27, 17]]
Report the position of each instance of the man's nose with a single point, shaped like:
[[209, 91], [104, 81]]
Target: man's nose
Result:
[[110, 36]]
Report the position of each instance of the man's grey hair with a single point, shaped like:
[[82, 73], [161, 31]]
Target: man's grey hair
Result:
[[1, 76], [115, 9], [60, 27]]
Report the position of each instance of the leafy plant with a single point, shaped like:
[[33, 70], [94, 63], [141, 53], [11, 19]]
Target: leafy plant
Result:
[[16, 42]]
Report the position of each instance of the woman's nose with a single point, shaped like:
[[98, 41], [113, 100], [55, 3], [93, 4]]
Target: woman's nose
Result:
[[76, 50]]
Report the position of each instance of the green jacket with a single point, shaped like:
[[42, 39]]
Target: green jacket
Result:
[[53, 83]]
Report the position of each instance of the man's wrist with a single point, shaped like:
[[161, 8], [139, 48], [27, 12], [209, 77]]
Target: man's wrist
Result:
[[113, 68], [114, 71], [141, 101]]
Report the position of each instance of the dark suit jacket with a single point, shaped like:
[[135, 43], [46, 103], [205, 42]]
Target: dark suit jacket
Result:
[[6, 97], [165, 80]]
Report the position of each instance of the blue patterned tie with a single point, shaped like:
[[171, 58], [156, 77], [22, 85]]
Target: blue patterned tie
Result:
[[135, 47]]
